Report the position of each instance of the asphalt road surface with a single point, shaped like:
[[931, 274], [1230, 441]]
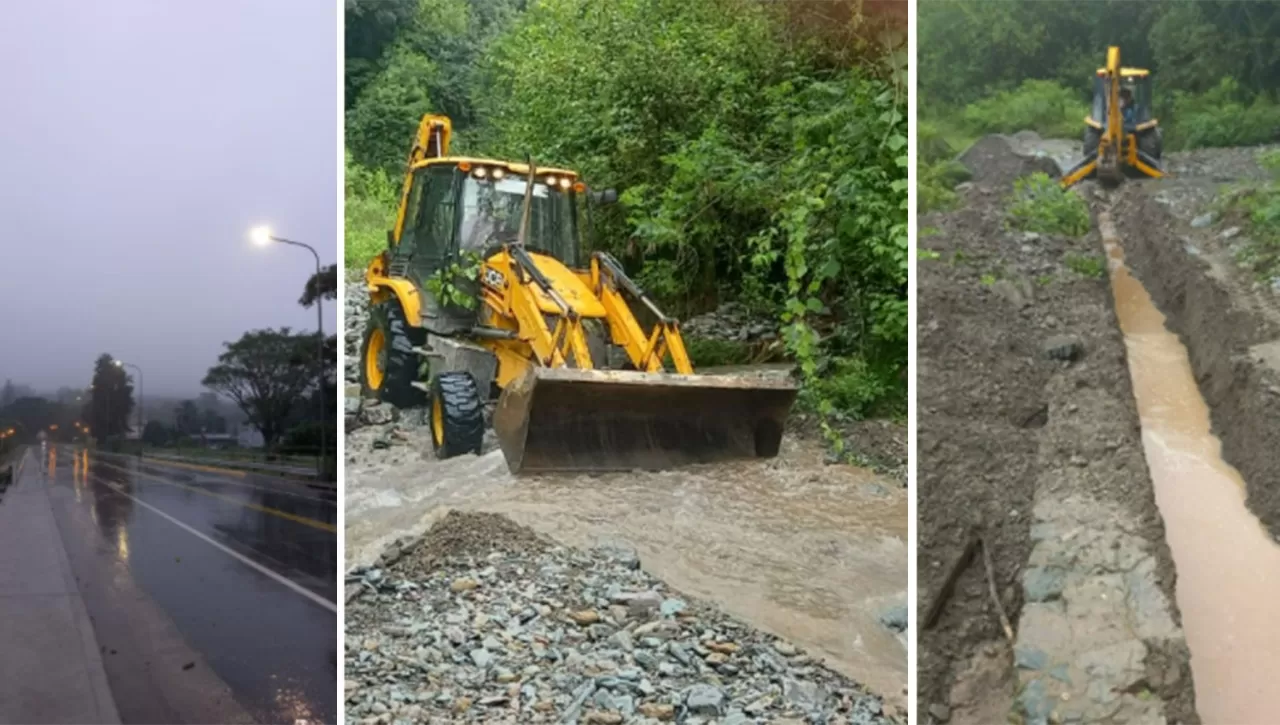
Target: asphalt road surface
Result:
[[212, 592]]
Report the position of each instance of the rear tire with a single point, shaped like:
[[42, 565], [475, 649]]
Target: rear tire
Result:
[[1151, 143], [388, 364], [456, 416], [1092, 137]]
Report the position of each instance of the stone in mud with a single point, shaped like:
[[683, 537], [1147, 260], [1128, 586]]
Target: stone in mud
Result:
[[1203, 220], [895, 618], [481, 657], [939, 712], [704, 700], [376, 413], [1230, 232], [1068, 348], [808, 695], [639, 604], [463, 584], [656, 710], [1030, 658], [1043, 584], [670, 607]]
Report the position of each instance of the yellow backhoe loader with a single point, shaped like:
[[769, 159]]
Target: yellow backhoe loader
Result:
[[1120, 138], [484, 286]]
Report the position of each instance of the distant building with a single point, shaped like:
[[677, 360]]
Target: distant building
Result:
[[250, 437]]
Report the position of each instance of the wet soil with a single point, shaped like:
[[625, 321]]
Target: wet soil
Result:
[[1006, 433]]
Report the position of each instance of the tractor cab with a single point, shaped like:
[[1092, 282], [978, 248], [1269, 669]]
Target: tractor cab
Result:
[[455, 208], [1135, 82]]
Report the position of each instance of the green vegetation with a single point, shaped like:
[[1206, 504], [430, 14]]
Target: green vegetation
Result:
[[1259, 206], [760, 152], [1046, 107], [1092, 266], [1005, 66], [708, 352], [1039, 204]]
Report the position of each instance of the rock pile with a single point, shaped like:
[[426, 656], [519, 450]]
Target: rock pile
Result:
[[483, 621], [731, 322]]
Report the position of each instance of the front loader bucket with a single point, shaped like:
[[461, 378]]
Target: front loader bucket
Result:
[[565, 419]]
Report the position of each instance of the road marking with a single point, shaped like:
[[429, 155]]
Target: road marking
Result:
[[292, 494], [197, 466], [323, 526], [243, 559]]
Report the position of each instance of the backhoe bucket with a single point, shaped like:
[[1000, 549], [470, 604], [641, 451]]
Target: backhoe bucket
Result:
[[565, 419]]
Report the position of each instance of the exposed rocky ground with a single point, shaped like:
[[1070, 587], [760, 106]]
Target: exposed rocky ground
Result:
[[481, 620], [1030, 457]]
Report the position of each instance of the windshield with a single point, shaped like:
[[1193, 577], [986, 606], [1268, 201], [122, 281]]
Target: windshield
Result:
[[491, 216]]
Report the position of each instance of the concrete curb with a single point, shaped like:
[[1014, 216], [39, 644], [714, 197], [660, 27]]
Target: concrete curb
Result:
[[49, 685]]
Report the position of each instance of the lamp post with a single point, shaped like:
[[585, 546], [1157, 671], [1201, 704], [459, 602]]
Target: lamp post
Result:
[[262, 236], [141, 390]]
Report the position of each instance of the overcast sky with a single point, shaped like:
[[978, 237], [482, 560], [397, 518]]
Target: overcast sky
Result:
[[139, 141]]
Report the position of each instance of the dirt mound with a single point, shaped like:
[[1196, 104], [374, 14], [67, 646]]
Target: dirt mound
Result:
[[998, 160], [470, 534]]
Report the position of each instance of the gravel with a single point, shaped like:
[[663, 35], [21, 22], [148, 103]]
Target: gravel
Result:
[[481, 620]]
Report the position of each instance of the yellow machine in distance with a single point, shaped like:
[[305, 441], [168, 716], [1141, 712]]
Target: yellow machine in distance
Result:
[[484, 285], [1116, 146]]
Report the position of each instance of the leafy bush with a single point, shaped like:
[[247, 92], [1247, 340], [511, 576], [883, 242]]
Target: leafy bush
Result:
[[1219, 117], [709, 352], [1259, 204], [1045, 107], [370, 210], [1039, 204], [935, 184], [1087, 265], [857, 389]]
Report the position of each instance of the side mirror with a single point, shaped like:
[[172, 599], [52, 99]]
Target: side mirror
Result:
[[607, 196]]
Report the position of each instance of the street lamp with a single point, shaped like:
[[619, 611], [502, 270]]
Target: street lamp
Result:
[[141, 390], [262, 236]]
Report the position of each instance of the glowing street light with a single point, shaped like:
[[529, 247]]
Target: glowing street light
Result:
[[261, 235]]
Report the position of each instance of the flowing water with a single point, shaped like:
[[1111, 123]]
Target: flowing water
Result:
[[1225, 560], [809, 552]]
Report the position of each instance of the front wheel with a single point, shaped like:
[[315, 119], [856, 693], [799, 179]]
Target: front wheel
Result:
[[388, 364], [457, 415]]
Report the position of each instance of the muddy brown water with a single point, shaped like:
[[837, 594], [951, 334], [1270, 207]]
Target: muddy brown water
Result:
[[1224, 557], [809, 552]]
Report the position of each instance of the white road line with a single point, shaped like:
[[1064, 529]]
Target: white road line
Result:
[[244, 559]]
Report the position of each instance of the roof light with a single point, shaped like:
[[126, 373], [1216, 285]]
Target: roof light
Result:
[[550, 181], [565, 183], [481, 172], [498, 173]]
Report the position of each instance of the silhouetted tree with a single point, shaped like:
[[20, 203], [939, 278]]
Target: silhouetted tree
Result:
[[111, 399], [266, 373]]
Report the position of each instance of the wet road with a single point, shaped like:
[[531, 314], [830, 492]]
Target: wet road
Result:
[[212, 592]]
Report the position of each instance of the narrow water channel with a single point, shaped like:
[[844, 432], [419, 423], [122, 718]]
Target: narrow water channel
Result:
[[1228, 567]]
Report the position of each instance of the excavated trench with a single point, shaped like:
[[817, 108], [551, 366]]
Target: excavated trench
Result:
[[1103, 629], [1219, 376]]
